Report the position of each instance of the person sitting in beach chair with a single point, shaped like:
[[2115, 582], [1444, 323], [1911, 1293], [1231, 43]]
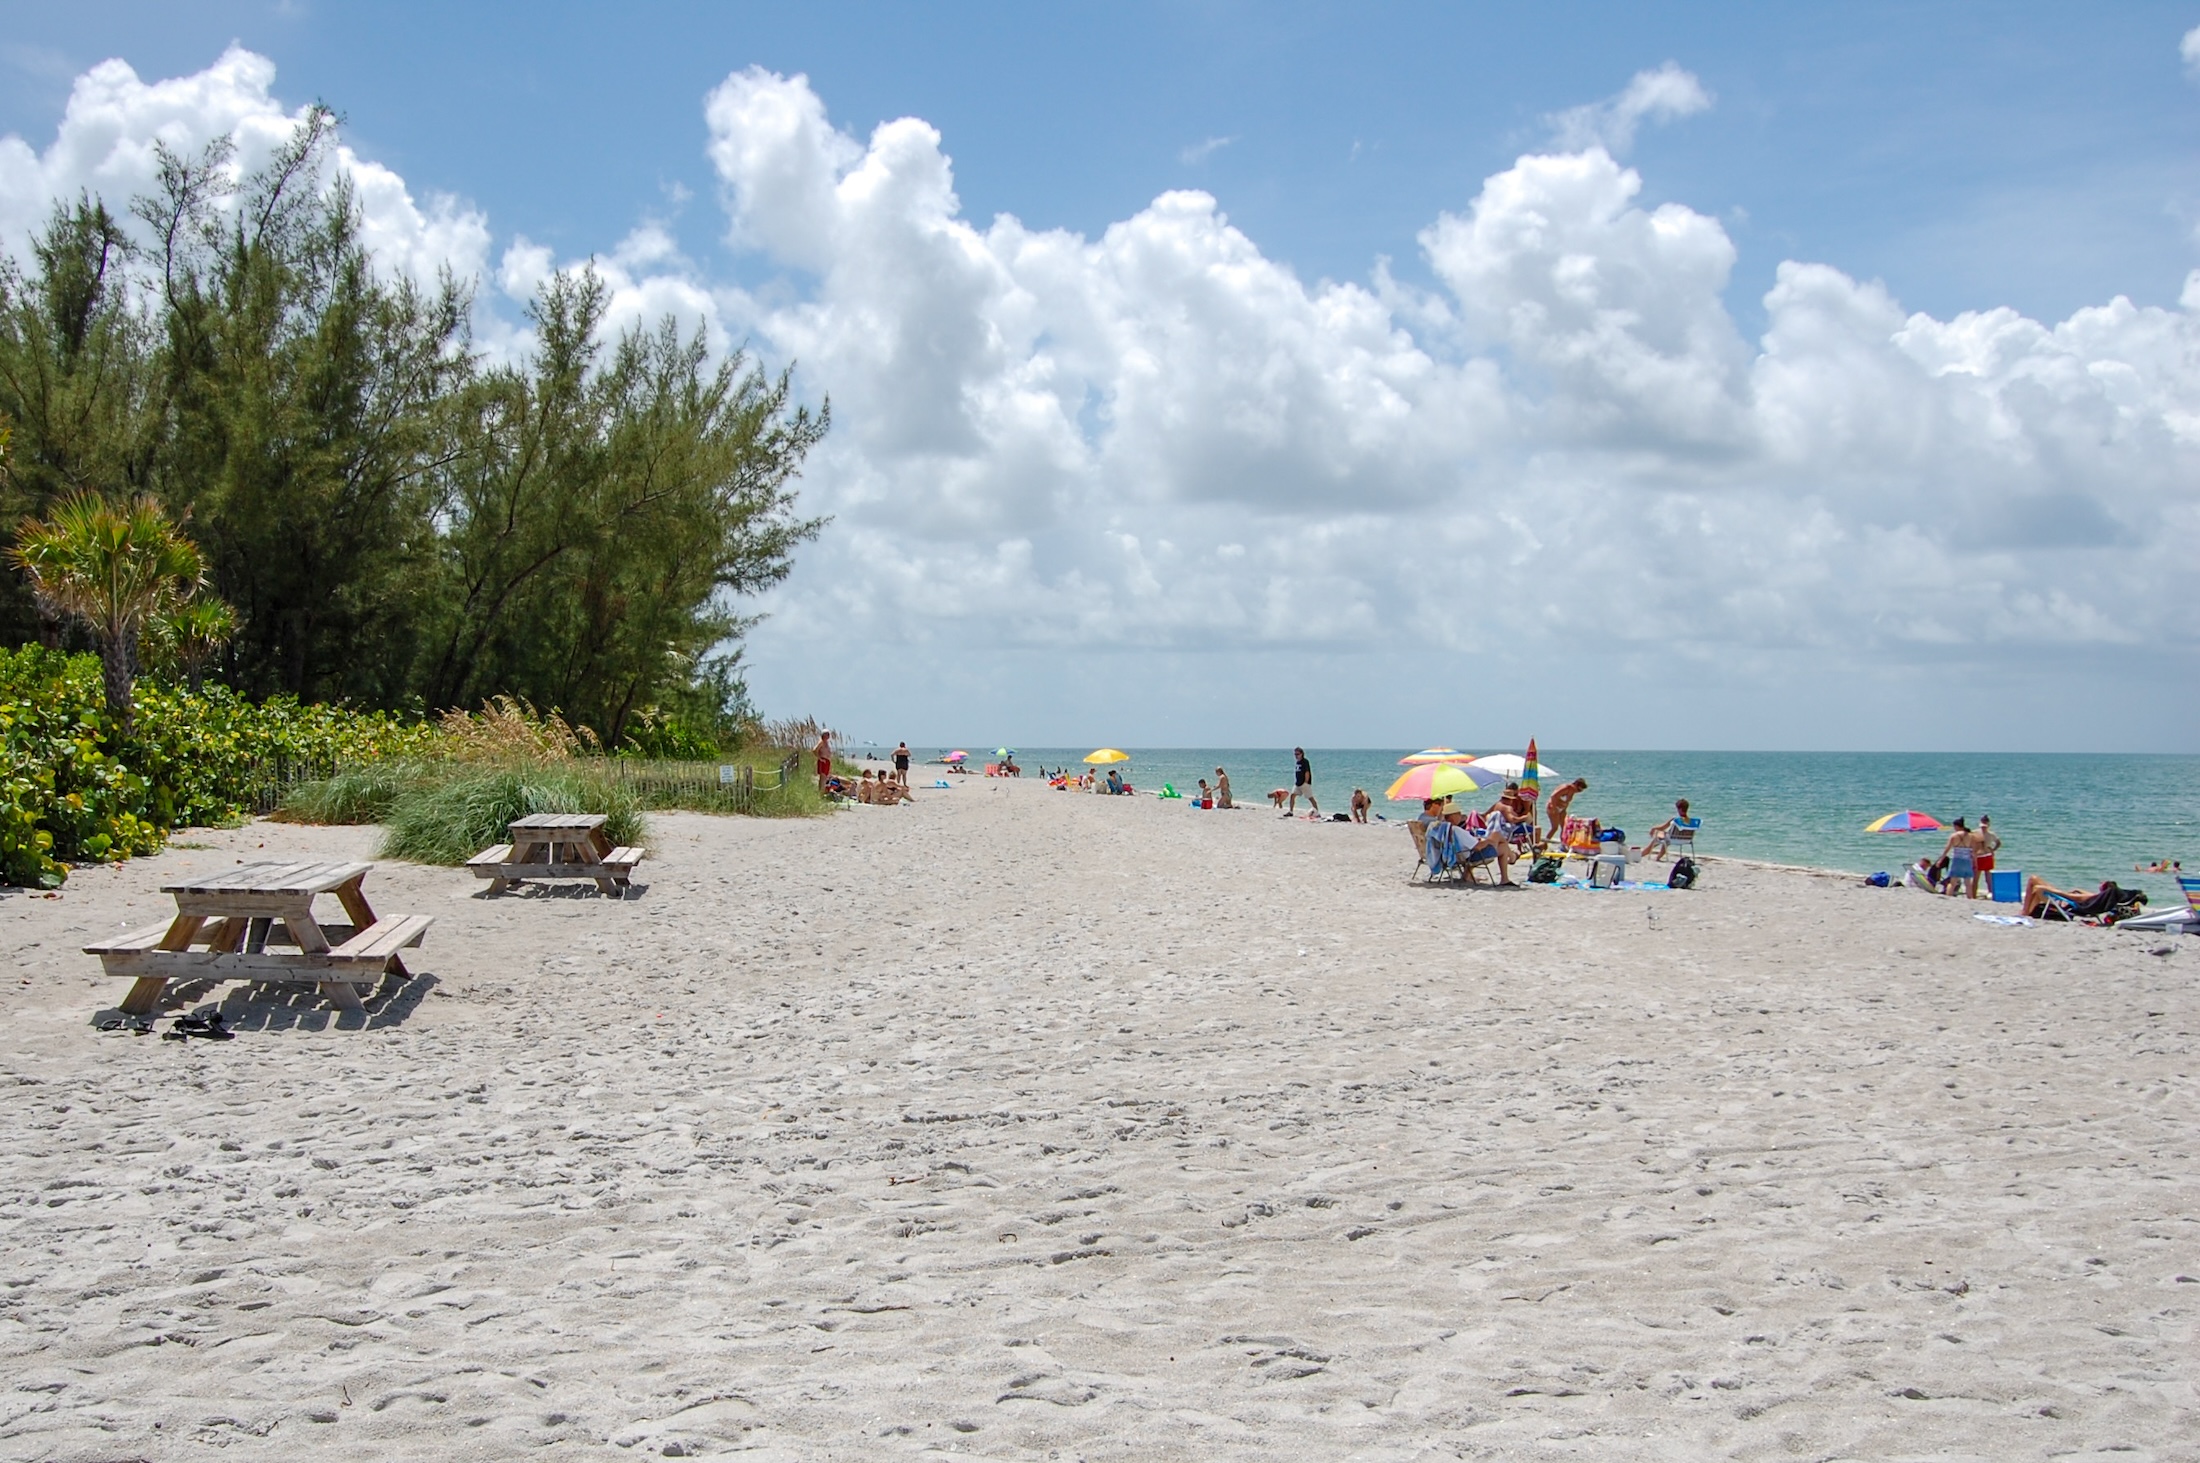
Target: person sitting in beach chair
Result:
[[2104, 905], [1472, 843], [1678, 830]]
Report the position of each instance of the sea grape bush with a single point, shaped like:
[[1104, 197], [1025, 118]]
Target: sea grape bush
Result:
[[72, 792]]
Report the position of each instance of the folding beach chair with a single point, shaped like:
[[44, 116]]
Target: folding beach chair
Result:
[[1682, 840], [1444, 851], [2186, 919]]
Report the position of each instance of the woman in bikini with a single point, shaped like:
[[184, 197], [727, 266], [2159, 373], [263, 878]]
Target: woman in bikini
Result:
[[1962, 855]]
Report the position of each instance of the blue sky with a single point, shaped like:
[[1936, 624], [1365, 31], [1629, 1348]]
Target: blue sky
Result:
[[2038, 158]]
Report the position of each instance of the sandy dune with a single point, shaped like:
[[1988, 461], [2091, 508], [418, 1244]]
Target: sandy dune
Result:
[[1024, 1125]]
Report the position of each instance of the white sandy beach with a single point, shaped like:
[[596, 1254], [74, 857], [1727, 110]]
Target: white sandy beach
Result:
[[1018, 1124]]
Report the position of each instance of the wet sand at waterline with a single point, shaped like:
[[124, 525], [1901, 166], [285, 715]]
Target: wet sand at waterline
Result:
[[1019, 1124]]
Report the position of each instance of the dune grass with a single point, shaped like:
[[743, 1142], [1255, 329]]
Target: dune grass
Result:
[[449, 819]]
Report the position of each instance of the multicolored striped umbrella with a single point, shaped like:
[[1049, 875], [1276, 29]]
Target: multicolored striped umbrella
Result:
[[1908, 821], [1435, 754], [1438, 780]]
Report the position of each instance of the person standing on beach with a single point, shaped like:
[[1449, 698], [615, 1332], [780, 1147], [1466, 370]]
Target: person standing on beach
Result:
[[1989, 842], [824, 756], [1302, 782], [901, 764], [1562, 798], [1222, 788], [1961, 852]]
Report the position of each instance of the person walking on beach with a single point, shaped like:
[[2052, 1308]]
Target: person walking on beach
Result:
[[824, 756], [1302, 782], [1222, 788], [901, 764]]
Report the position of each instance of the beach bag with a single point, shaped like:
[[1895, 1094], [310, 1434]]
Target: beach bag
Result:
[[1879, 881], [1544, 871], [1683, 875]]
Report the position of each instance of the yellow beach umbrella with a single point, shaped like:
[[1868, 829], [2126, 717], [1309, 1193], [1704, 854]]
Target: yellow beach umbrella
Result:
[[1108, 754]]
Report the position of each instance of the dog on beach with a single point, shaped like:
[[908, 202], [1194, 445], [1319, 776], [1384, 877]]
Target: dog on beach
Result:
[[1277, 798]]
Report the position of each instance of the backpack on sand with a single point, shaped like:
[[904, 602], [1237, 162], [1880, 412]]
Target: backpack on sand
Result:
[[1544, 871], [1683, 875]]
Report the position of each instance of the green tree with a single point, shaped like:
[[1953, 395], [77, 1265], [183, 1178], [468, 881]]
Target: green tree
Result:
[[181, 639], [114, 569], [306, 401], [75, 379], [607, 504]]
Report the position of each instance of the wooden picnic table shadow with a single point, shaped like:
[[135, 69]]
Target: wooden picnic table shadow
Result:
[[565, 889], [248, 1006]]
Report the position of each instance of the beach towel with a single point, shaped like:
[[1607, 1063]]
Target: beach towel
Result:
[[2002, 919]]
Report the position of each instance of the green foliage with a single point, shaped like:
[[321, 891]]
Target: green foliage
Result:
[[599, 506], [115, 569], [74, 789], [354, 795], [448, 819]]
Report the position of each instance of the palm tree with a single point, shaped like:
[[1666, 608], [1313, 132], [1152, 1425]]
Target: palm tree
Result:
[[114, 569], [184, 637]]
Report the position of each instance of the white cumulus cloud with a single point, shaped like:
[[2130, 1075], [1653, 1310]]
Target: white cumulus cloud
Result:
[[105, 146], [1658, 95]]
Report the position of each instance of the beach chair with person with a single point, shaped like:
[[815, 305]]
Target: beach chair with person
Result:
[[1677, 832]]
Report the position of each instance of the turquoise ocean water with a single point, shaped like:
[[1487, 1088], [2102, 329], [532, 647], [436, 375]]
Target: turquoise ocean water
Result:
[[2075, 818]]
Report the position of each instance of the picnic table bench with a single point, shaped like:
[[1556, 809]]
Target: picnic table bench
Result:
[[557, 846], [225, 922]]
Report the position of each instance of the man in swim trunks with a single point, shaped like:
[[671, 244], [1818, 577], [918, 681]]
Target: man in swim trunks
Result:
[[1302, 783], [824, 755], [901, 764], [1989, 843]]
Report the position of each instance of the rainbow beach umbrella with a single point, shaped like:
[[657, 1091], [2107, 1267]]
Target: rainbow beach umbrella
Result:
[[1908, 821], [1437, 780], [1435, 754]]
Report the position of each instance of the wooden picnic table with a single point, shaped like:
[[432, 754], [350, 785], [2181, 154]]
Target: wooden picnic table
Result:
[[557, 846], [224, 923]]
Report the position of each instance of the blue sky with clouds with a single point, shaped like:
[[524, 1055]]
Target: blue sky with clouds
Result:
[[1345, 374]]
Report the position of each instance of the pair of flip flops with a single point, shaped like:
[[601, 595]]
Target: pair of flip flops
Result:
[[208, 1027], [135, 1025]]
